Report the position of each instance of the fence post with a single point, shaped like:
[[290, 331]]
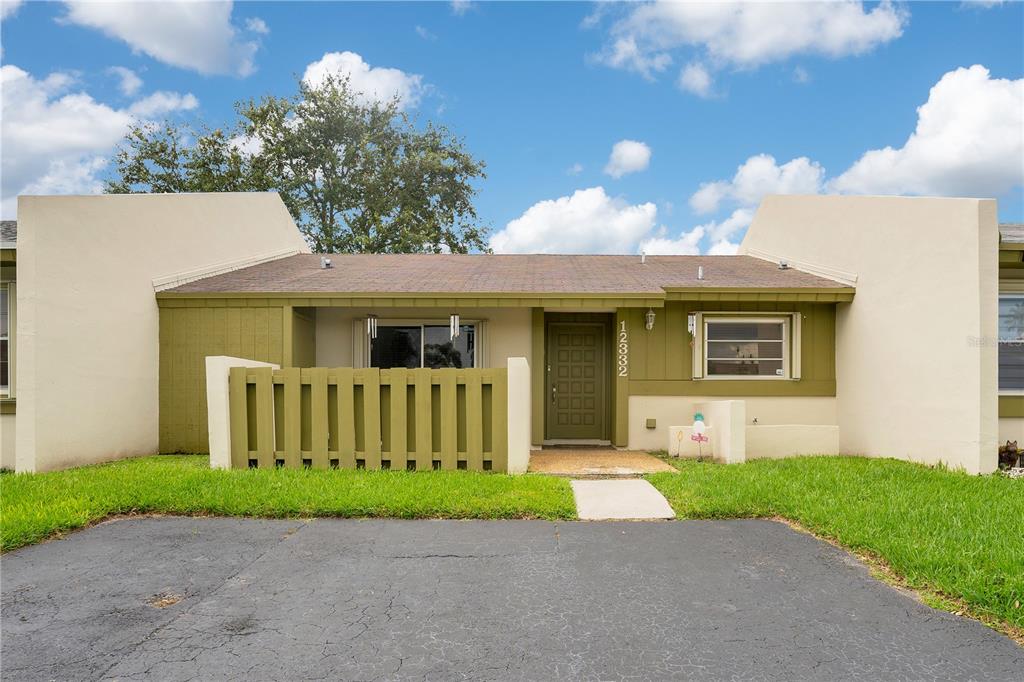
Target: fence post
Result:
[[399, 418], [449, 419], [424, 434], [371, 417], [518, 415], [474, 422]]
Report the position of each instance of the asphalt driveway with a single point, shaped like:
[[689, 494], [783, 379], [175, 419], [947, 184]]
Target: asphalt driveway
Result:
[[366, 600]]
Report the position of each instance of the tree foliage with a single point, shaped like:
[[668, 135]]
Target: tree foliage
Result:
[[357, 176]]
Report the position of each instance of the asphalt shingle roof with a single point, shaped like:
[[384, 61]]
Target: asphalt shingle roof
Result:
[[1011, 233], [493, 274]]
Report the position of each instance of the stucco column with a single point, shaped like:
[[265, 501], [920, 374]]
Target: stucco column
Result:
[[218, 368], [519, 407]]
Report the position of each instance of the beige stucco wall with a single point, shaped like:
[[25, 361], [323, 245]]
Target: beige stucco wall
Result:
[[8, 428], [1011, 428], [679, 410], [915, 351], [507, 331], [773, 441], [87, 370]]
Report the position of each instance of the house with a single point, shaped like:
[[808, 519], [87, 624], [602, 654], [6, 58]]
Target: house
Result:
[[85, 381], [859, 325]]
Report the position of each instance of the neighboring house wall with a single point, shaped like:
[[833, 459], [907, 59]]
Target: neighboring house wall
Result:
[[88, 323], [8, 418], [1011, 404], [915, 357]]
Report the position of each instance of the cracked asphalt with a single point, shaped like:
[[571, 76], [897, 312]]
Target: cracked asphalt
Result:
[[441, 600]]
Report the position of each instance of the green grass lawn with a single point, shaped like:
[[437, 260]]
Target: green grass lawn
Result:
[[35, 506], [959, 535]]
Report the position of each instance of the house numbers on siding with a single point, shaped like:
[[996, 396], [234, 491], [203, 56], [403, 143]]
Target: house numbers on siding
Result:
[[623, 354]]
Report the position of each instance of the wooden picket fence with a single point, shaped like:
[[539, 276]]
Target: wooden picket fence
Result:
[[371, 418]]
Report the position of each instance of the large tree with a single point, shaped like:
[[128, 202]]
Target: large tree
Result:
[[358, 176]]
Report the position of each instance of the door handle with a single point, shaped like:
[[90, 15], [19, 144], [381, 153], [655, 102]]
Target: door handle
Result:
[[553, 391]]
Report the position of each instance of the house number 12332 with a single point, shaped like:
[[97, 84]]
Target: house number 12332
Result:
[[623, 361]]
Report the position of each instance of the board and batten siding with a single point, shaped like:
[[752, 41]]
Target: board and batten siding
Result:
[[661, 360], [187, 336]]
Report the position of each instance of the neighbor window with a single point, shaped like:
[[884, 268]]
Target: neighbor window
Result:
[[1011, 343], [746, 348], [5, 340], [423, 345]]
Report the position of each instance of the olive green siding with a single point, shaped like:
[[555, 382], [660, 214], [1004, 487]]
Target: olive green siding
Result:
[[537, 373], [620, 394], [1011, 406], [661, 360], [370, 418], [303, 338], [187, 337]]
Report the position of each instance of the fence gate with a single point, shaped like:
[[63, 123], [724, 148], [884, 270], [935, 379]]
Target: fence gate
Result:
[[370, 418]]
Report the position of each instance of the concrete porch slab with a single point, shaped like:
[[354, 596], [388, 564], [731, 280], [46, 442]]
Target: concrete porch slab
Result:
[[631, 499], [596, 463]]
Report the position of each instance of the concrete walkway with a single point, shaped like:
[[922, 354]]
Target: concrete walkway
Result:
[[583, 462], [627, 499]]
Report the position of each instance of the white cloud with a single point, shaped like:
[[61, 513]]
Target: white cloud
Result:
[[982, 4], [745, 34], [757, 176], [624, 53], [721, 230], [377, 83], [190, 35], [687, 244], [163, 102], [723, 248], [696, 79], [257, 25], [460, 7], [753, 33], [67, 176], [425, 33], [589, 221], [574, 169], [9, 7], [56, 141], [130, 83], [969, 141], [628, 156]]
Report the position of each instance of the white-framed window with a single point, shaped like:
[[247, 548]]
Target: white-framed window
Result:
[[1011, 343], [6, 368], [412, 345], [746, 347]]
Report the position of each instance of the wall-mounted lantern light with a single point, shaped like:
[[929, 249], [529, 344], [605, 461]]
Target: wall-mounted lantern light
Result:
[[454, 326], [691, 324], [649, 319], [371, 326]]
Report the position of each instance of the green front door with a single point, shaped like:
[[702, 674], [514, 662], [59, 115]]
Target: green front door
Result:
[[576, 386]]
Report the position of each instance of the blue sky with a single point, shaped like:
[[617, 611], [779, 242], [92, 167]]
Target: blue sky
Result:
[[737, 100]]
